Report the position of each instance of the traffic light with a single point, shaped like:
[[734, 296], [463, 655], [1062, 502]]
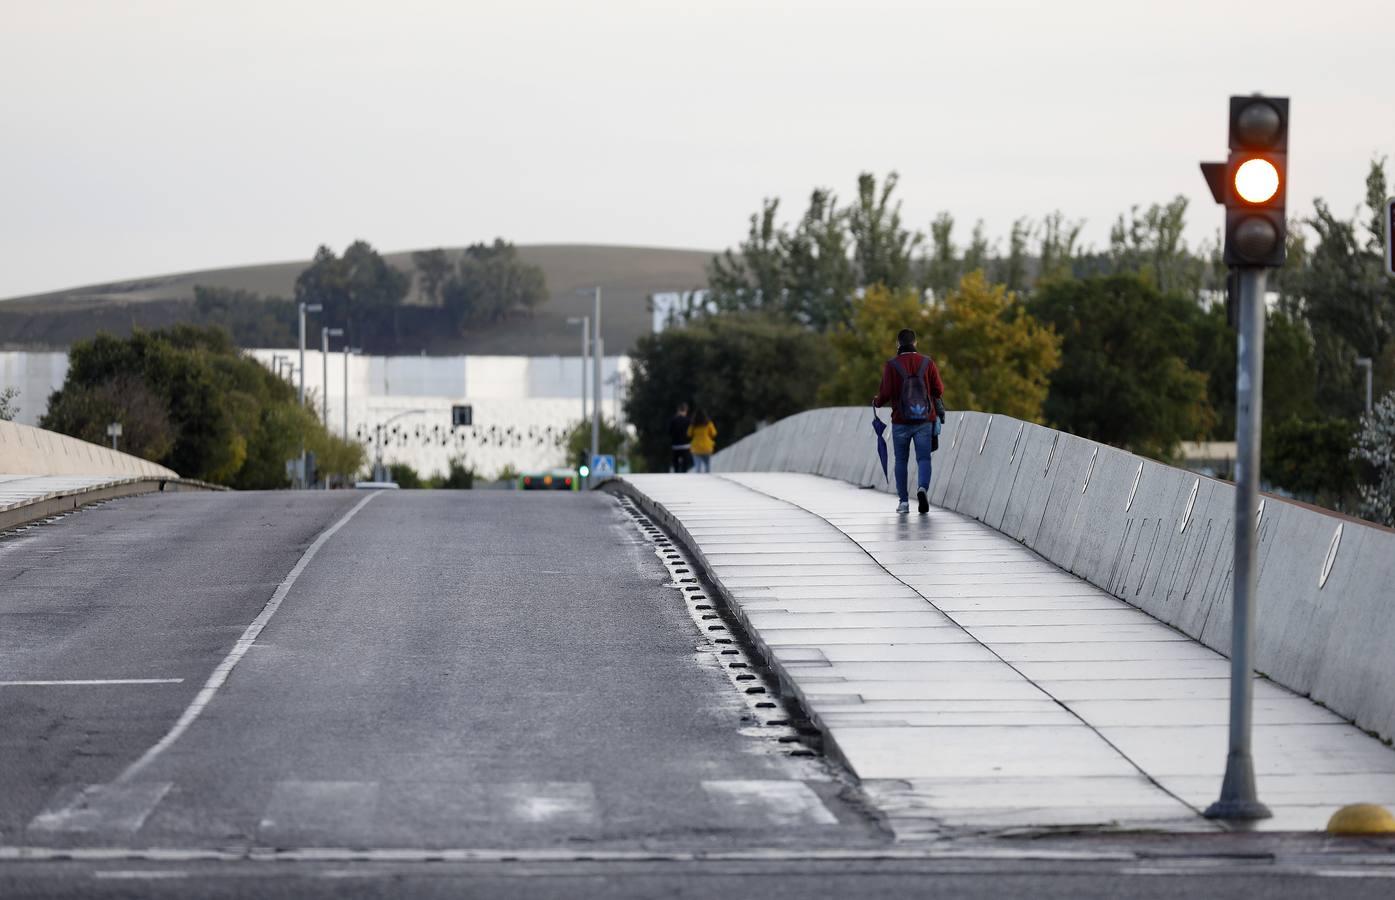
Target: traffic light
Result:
[[1253, 182]]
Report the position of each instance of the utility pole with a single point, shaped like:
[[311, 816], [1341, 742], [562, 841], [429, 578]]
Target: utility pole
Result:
[[1252, 185], [597, 354]]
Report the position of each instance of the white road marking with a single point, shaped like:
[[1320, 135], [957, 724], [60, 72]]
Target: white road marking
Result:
[[239, 650], [133, 874], [319, 806], [102, 807], [91, 682], [774, 802], [549, 802]]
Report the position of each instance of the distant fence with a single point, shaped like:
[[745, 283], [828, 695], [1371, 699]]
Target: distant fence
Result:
[[25, 450], [1155, 536]]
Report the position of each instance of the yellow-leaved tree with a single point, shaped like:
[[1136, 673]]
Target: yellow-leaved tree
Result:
[[992, 354]]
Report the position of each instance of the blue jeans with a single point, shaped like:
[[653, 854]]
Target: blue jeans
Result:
[[901, 437]]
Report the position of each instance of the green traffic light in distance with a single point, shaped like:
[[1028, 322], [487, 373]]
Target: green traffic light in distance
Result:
[[584, 471]]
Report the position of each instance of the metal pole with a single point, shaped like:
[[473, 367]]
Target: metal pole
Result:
[[585, 360], [1239, 799], [597, 354], [300, 476]]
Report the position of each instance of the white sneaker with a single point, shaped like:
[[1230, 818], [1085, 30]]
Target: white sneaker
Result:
[[903, 507]]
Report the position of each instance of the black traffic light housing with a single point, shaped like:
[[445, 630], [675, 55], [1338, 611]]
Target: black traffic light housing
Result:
[[1255, 229]]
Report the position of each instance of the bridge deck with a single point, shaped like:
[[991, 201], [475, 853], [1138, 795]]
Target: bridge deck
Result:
[[971, 684]]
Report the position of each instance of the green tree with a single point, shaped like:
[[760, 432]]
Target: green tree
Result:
[[882, 247], [433, 267], [942, 265], [861, 347], [1375, 449], [819, 277], [252, 320], [195, 404], [992, 354], [753, 276], [1059, 238], [1311, 459], [405, 476], [1348, 304], [744, 369], [9, 405], [613, 439], [976, 255], [1013, 268], [1124, 378], [492, 283], [1151, 244], [85, 411], [360, 289]]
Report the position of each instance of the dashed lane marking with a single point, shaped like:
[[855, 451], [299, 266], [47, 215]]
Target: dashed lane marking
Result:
[[239, 650]]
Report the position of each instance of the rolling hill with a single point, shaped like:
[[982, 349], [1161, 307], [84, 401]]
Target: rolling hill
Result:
[[627, 275]]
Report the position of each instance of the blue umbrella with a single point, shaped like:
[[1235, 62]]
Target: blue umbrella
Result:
[[879, 426]]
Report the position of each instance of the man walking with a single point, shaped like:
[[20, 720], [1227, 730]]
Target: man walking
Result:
[[678, 437], [911, 384]]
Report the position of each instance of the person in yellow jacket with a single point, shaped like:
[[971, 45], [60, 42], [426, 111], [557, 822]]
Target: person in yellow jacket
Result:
[[703, 434]]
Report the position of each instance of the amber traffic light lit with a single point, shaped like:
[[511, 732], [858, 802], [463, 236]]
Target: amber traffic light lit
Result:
[[1256, 180]]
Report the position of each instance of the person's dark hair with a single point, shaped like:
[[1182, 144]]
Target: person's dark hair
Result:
[[700, 417], [905, 338]]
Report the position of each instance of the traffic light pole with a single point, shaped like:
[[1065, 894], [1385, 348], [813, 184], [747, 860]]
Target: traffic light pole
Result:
[[1239, 799]]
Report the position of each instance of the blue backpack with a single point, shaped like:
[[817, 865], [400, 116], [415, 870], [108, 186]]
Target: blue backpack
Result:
[[914, 405]]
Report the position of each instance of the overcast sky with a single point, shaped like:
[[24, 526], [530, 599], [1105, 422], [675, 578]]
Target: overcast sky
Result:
[[142, 138]]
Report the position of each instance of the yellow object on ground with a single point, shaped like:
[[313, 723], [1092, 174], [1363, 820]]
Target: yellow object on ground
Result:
[[1361, 818]]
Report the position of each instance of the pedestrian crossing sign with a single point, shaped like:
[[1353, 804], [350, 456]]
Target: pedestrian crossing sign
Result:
[[602, 465]]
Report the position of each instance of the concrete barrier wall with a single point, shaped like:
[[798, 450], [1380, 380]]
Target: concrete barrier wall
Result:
[[25, 450], [1152, 535]]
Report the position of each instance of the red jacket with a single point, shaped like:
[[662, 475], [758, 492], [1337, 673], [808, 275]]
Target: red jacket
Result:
[[890, 391]]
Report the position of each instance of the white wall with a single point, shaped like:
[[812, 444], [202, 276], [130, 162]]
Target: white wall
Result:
[[520, 403], [35, 375]]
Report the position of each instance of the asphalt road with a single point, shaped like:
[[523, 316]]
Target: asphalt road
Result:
[[504, 673]]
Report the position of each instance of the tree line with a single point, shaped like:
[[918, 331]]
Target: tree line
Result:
[[384, 308], [1128, 344]]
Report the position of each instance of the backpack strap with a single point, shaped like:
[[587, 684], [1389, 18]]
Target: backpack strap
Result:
[[924, 367], [896, 361]]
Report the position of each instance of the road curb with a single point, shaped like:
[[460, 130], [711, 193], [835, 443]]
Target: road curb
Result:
[[789, 688], [39, 508]]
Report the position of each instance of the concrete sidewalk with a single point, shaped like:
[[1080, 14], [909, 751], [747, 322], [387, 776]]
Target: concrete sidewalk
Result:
[[971, 685]]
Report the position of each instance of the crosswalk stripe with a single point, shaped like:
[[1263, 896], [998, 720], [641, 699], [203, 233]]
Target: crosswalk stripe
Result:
[[319, 806], [774, 802], [101, 807], [548, 802]]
